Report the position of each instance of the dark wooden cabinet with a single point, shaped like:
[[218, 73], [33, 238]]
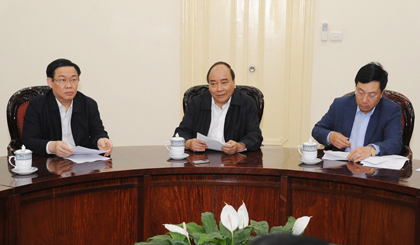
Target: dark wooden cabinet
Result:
[[140, 189]]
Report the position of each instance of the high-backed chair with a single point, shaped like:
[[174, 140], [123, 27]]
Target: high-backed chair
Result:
[[407, 119], [16, 108], [254, 92]]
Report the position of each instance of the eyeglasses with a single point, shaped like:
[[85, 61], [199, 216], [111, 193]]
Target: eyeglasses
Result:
[[369, 96], [63, 81]]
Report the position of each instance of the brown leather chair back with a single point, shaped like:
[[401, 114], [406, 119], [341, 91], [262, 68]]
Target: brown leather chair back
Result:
[[15, 111], [254, 92]]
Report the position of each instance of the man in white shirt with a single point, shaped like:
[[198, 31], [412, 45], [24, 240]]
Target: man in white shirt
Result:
[[224, 114], [63, 117]]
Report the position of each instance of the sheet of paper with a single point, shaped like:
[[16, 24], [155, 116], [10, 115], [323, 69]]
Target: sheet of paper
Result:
[[388, 162], [211, 143], [82, 158], [83, 154], [335, 155], [83, 150]]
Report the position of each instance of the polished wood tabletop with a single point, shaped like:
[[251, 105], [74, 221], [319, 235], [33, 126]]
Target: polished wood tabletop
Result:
[[127, 199], [268, 159]]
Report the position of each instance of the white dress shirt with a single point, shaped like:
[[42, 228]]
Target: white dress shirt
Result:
[[67, 135], [217, 125]]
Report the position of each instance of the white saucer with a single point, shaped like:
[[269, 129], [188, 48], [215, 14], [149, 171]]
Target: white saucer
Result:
[[25, 172], [178, 157], [310, 161]]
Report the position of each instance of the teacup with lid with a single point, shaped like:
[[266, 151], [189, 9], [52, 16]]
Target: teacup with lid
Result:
[[309, 150], [23, 159], [177, 146]]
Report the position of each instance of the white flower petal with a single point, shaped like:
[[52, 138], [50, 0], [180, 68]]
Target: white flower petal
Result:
[[232, 222], [243, 216], [177, 229], [300, 225]]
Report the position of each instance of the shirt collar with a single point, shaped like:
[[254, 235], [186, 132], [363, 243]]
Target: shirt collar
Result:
[[367, 114], [62, 108], [224, 106]]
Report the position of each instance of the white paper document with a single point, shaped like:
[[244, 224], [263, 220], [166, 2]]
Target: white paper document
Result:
[[211, 143], [83, 154], [389, 162], [80, 150]]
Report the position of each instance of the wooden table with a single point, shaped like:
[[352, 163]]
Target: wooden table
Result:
[[128, 198]]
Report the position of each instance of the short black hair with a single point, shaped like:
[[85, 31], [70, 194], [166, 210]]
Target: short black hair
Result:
[[372, 72], [287, 239], [60, 63], [232, 74]]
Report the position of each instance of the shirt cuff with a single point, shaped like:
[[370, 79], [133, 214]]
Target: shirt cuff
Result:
[[48, 152], [328, 139], [243, 149]]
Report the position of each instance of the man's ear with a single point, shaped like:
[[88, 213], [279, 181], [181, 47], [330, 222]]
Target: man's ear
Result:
[[49, 81]]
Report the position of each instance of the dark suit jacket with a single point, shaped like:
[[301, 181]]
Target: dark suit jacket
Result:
[[384, 128], [241, 123], [42, 123]]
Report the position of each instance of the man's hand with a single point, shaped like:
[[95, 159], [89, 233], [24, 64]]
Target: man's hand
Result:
[[338, 140], [231, 147], [196, 145], [60, 149], [105, 144], [359, 153]]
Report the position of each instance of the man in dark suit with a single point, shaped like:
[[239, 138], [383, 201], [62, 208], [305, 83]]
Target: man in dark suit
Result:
[[223, 113], [63, 117], [365, 123]]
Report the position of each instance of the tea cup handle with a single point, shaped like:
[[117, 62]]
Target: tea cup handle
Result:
[[299, 146], [10, 157], [166, 144]]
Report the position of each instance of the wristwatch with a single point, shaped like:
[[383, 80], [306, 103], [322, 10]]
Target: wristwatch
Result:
[[373, 150]]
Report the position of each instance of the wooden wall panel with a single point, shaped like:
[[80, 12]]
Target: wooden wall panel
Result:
[[350, 214], [192, 195], [86, 211], [3, 220]]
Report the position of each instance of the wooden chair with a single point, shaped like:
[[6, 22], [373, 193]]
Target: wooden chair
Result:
[[16, 108], [407, 119], [254, 92]]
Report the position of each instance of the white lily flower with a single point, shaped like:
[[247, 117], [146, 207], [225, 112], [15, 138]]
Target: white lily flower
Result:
[[243, 216], [229, 218], [177, 229], [300, 225]]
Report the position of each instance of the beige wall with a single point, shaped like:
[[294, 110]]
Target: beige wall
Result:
[[375, 30], [129, 53]]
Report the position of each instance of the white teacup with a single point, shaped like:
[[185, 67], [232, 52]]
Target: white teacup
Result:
[[309, 150], [23, 159], [177, 146]]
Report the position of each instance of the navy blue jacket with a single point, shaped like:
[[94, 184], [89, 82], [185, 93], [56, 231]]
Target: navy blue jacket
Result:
[[384, 128]]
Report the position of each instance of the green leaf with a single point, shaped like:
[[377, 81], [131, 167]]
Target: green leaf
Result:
[[158, 240], [196, 236], [287, 228], [243, 235], [192, 227], [260, 228], [209, 223], [212, 238], [177, 236], [179, 243]]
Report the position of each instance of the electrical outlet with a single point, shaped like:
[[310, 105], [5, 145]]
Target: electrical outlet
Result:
[[336, 36]]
